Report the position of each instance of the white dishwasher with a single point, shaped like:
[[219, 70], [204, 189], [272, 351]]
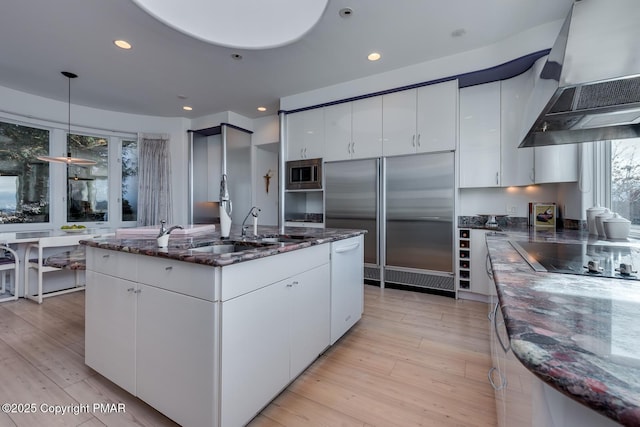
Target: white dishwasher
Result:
[[347, 284]]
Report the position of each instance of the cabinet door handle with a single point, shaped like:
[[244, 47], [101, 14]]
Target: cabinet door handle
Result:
[[353, 147], [503, 381], [497, 178], [418, 141], [130, 290], [487, 264], [495, 328], [138, 291], [305, 152], [413, 140], [105, 256], [168, 268]]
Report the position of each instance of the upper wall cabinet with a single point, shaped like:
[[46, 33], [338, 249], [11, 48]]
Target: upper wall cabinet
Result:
[[517, 163], [420, 120], [490, 132], [480, 136], [305, 134], [353, 130]]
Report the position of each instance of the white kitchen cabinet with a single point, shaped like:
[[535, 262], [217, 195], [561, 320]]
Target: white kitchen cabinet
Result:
[[556, 163], [286, 325], [310, 317], [480, 282], [254, 344], [110, 335], [135, 331], [169, 327], [347, 285], [480, 136], [353, 130], [517, 166], [420, 120], [305, 134]]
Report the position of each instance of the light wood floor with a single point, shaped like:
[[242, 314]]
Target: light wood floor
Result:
[[413, 360]]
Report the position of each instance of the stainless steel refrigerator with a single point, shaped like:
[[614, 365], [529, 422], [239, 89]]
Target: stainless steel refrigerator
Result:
[[406, 204]]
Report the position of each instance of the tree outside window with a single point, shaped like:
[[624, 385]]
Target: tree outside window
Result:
[[625, 179], [88, 186], [24, 180]]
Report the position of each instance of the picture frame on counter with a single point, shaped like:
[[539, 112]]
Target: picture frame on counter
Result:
[[542, 215]]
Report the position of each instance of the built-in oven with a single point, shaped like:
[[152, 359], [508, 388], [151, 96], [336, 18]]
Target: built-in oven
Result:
[[304, 174]]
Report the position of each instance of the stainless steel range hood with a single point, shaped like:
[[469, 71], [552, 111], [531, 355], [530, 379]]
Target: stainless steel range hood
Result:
[[589, 88]]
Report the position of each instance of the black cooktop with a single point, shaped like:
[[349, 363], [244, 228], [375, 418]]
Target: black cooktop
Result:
[[581, 258]]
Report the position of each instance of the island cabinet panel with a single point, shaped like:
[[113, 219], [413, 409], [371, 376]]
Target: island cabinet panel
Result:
[[286, 326], [175, 346], [254, 352], [110, 335], [310, 322]]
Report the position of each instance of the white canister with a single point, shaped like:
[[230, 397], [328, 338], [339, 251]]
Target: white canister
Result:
[[616, 227], [599, 225], [591, 218]]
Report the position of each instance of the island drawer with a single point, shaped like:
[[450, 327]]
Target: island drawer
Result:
[[244, 277], [178, 276], [112, 263]]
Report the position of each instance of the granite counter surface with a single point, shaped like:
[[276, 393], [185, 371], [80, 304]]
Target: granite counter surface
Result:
[[579, 334], [181, 248]]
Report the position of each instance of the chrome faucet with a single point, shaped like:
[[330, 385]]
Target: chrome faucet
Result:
[[164, 230], [253, 212]]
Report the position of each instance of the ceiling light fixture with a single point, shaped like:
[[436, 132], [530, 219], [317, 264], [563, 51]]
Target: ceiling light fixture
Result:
[[122, 44], [373, 56], [68, 159], [187, 108], [247, 24], [262, 109]]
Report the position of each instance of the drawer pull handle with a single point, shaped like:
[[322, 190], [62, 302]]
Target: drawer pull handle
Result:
[[130, 290], [168, 268], [105, 256]]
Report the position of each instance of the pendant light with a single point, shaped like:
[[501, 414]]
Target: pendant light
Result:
[[68, 159]]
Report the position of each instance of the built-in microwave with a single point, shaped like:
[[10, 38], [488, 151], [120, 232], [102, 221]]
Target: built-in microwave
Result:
[[304, 174]]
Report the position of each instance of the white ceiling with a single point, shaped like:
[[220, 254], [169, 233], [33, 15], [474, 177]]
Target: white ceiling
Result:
[[41, 38]]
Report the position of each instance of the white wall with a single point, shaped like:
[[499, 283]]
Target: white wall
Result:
[[266, 159]]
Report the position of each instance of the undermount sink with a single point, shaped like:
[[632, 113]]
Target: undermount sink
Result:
[[227, 248], [285, 239]]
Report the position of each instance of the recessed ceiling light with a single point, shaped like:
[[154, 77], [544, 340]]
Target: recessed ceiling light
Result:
[[182, 97], [236, 56], [262, 108], [373, 56], [345, 12], [187, 108], [122, 44]]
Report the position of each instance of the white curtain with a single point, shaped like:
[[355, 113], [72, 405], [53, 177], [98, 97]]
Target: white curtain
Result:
[[154, 180]]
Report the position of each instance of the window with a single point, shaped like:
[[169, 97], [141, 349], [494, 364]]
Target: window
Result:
[[625, 179], [129, 199], [88, 186], [24, 180]]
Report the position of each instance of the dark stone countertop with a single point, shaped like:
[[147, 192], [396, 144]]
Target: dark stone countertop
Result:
[[180, 247], [579, 334]]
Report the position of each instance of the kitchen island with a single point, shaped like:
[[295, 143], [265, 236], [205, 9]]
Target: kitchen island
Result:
[[578, 334], [208, 331]]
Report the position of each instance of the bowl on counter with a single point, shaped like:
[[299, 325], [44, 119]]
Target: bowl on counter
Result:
[[616, 227]]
